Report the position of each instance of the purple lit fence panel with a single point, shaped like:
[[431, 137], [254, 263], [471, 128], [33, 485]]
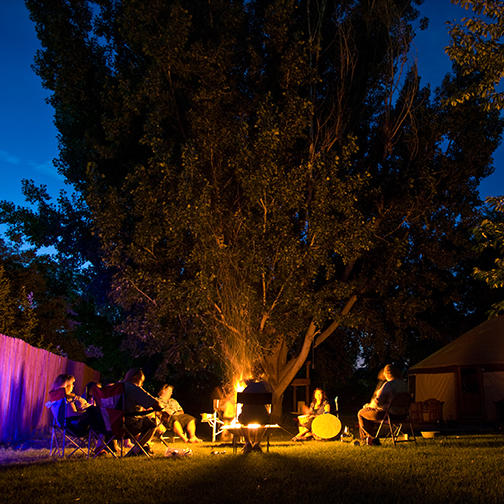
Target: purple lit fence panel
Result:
[[26, 375]]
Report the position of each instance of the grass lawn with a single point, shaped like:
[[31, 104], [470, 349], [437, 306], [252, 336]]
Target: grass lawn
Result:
[[445, 470]]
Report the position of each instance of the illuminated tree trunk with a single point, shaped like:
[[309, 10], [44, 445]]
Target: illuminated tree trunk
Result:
[[280, 372]]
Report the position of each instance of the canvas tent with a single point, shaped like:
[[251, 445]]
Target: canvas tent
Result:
[[467, 374]]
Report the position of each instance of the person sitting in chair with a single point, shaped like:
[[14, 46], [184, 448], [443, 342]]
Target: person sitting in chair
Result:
[[137, 400], [318, 406], [374, 411], [80, 415], [254, 414], [174, 419]]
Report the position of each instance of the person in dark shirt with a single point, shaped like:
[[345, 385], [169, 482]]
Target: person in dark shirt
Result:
[[374, 411], [257, 415], [137, 400]]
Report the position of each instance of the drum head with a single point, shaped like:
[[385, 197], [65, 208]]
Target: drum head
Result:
[[326, 426]]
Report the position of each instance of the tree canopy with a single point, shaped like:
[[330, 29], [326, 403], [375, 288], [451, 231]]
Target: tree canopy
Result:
[[477, 46], [262, 175]]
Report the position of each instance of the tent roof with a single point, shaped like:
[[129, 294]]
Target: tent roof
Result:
[[480, 346]]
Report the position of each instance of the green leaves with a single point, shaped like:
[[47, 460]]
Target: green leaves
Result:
[[476, 47]]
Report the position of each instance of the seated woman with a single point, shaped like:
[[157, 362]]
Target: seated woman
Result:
[[80, 415], [318, 406], [173, 417]]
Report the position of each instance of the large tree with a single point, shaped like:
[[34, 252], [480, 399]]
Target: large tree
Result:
[[264, 175]]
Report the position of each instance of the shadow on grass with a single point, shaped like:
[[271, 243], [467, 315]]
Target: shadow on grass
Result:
[[350, 474], [311, 473]]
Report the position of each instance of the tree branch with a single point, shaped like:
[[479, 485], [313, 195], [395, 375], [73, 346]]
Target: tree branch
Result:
[[323, 336], [153, 301]]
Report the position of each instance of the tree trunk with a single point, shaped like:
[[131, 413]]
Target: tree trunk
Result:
[[280, 372], [276, 407]]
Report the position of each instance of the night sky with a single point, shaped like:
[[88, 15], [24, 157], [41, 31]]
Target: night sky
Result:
[[28, 137]]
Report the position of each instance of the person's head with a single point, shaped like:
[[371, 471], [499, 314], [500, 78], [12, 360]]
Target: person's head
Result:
[[65, 381], [90, 388], [391, 373], [135, 376], [318, 395], [165, 392]]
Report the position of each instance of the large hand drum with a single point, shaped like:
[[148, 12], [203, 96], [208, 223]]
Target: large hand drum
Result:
[[326, 426]]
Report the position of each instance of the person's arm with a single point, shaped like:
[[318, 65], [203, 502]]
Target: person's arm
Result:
[[306, 410], [327, 407], [144, 399], [76, 404], [157, 406]]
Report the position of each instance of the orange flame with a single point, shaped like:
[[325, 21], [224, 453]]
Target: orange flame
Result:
[[239, 384]]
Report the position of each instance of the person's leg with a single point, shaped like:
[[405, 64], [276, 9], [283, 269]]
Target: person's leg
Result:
[[362, 430], [161, 429], [244, 431], [191, 430], [258, 435], [367, 422], [146, 430], [303, 429], [147, 436], [179, 430]]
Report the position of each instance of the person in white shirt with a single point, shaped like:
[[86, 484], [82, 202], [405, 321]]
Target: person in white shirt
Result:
[[173, 417]]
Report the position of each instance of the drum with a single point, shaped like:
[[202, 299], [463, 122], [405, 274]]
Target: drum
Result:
[[326, 426]]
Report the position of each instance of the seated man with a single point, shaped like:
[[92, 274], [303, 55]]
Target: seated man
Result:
[[254, 414], [173, 417], [137, 400], [374, 411]]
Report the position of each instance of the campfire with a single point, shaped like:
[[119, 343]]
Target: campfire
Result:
[[238, 386], [226, 409]]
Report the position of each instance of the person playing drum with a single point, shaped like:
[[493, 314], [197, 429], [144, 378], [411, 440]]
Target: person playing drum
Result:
[[318, 406]]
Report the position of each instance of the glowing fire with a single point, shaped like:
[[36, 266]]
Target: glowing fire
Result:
[[239, 385]]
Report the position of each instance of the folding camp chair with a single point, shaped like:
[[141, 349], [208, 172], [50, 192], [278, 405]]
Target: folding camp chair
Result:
[[256, 399], [168, 436], [396, 417], [110, 401], [61, 431]]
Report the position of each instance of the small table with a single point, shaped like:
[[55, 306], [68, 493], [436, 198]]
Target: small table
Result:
[[235, 430]]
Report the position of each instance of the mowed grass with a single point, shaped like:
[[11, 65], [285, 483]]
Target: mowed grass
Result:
[[464, 469]]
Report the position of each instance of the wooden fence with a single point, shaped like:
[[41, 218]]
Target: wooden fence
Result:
[[26, 375]]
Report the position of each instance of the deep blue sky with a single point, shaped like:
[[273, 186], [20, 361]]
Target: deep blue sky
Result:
[[27, 134]]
